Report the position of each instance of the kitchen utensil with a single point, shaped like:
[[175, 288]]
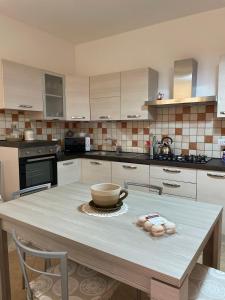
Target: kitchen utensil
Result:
[[165, 146]]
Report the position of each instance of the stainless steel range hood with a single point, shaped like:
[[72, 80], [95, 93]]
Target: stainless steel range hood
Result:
[[184, 85]]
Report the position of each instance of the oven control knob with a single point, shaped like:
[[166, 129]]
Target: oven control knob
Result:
[[39, 151], [27, 152]]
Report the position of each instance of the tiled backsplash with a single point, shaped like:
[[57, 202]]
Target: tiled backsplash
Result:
[[194, 129]]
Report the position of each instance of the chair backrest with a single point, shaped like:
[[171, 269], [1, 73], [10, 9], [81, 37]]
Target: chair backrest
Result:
[[23, 250], [30, 190], [154, 188]]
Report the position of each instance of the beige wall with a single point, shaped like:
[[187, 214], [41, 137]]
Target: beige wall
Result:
[[24, 44], [200, 36]]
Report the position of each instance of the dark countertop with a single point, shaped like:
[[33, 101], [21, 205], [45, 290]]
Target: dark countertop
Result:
[[27, 144], [214, 164]]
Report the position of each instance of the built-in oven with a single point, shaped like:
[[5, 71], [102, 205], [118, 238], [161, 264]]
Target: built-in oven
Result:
[[37, 166]]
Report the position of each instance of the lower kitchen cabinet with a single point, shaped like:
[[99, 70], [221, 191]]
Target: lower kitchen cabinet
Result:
[[210, 188], [95, 171], [68, 171], [130, 172]]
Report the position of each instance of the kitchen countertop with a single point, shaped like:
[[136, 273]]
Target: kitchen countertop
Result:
[[215, 164], [27, 144]]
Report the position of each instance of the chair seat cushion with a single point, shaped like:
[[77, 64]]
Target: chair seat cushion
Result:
[[83, 284], [206, 284]]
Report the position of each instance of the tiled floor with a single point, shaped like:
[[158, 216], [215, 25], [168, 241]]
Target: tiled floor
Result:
[[123, 293]]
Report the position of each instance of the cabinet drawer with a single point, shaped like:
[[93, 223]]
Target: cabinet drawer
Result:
[[173, 173], [181, 189], [130, 172], [96, 171], [68, 171]]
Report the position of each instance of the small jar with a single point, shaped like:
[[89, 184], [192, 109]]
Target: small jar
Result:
[[29, 135]]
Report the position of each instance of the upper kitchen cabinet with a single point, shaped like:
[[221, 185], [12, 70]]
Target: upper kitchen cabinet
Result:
[[22, 87], [77, 98], [138, 86], [105, 97], [221, 89], [54, 99]]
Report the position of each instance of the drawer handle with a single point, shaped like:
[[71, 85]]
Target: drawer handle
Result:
[[129, 167], [171, 185], [24, 106], [78, 118], [95, 163], [216, 176], [68, 163], [104, 117], [171, 171], [133, 116], [222, 112]]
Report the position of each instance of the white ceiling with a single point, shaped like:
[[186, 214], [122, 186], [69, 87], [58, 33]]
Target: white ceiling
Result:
[[81, 21]]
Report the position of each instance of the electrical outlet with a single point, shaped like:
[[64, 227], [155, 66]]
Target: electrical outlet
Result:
[[221, 142]]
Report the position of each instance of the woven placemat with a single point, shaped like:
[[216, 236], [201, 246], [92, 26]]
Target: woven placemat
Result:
[[87, 209]]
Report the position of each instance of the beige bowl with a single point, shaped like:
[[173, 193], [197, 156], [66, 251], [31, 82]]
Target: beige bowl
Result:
[[107, 194]]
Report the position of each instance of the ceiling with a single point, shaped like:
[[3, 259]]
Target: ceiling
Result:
[[81, 21]]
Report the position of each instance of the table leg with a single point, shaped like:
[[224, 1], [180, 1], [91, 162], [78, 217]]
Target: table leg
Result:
[[162, 291], [212, 251], [5, 293]]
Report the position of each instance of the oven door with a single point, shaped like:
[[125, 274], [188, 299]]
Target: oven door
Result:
[[38, 170]]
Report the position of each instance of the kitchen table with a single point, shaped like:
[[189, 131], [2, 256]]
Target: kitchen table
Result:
[[116, 246]]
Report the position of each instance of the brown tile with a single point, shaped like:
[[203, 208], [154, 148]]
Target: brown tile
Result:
[[134, 143], [8, 130], [104, 130], [124, 124], [67, 125], [49, 137], [178, 131], [185, 152], [2, 111], [208, 139], [201, 116], [192, 146], [91, 141], [210, 108], [134, 130], [146, 130], [99, 125], [99, 147], [27, 124], [222, 131], [15, 118], [49, 125], [21, 112], [186, 109], [38, 130], [91, 130], [179, 117], [74, 125]]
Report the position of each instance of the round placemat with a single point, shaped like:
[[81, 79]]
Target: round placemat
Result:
[[87, 209]]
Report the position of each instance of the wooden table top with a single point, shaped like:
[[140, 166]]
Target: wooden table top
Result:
[[168, 258]]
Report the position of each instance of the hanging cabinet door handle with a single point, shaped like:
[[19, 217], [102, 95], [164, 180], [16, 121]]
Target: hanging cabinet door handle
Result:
[[171, 171], [133, 116], [216, 176], [78, 118], [171, 185], [222, 112], [24, 106], [104, 117]]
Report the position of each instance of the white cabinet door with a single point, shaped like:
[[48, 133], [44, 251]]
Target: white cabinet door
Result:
[[69, 171], [77, 98], [221, 89], [210, 188], [130, 172], [105, 108], [137, 86], [107, 85], [23, 87], [95, 171]]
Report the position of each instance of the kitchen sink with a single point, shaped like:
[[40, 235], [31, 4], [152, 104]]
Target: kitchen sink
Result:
[[113, 153]]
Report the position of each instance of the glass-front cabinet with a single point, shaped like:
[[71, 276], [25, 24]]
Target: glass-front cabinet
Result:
[[54, 94]]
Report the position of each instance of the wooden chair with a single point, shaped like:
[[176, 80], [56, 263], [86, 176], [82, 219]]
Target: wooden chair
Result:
[[65, 280], [152, 188]]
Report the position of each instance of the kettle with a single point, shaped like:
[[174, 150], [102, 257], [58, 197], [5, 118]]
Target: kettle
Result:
[[165, 146]]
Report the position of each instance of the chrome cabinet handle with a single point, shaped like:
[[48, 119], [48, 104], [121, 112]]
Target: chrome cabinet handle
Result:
[[216, 176], [104, 117], [78, 118], [95, 163], [222, 112], [129, 167], [68, 163], [172, 185], [171, 171], [133, 116], [25, 106]]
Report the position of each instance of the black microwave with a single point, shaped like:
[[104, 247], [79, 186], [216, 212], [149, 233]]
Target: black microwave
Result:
[[75, 145]]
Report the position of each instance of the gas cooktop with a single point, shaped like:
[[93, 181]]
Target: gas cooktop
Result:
[[196, 159]]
